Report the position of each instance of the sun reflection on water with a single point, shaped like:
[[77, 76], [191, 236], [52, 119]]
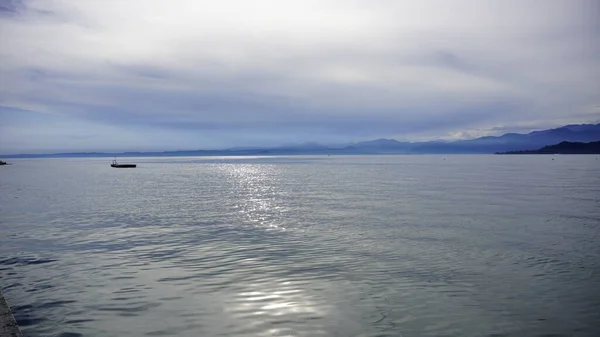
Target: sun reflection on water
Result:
[[275, 301], [258, 194], [271, 293]]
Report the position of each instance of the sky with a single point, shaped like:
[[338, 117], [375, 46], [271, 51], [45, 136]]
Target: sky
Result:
[[138, 75]]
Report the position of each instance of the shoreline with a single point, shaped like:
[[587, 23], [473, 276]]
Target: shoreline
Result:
[[8, 324]]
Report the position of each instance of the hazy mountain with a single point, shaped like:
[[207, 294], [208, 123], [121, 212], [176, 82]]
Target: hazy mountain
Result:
[[514, 141], [507, 142], [381, 145]]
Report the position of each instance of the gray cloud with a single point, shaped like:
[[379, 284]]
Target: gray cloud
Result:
[[272, 71], [10, 7]]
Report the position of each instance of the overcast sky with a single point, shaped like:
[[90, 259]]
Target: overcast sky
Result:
[[104, 75]]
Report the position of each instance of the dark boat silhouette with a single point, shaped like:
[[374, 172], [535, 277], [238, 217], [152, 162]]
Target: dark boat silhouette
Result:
[[117, 165]]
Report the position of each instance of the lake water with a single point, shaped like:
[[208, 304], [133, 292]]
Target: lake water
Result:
[[303, 246]]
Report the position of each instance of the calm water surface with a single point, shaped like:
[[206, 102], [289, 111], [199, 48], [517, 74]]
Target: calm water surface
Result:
[[303, 246]]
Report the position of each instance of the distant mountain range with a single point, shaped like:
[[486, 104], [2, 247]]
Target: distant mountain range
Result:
[[505, 143], [563, 148]]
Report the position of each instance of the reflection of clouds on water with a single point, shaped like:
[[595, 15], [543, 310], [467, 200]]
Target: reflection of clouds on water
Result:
[[263, 303], [257, 193], [276, 299]]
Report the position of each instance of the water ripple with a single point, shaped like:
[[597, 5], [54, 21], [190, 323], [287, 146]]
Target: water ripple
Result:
[[344, 246]]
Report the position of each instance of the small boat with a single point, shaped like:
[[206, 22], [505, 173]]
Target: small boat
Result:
[[117, 165]]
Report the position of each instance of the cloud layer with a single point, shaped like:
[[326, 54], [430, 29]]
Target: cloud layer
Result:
[[108, 74]]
